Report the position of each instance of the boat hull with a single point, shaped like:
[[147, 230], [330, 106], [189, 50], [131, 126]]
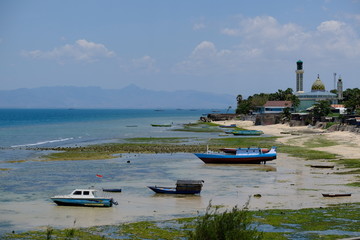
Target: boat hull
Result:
[[336, 194], [96, 202], [170, 190], [232, 159]]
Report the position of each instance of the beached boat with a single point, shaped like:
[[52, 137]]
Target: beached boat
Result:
[[233, 150], [84, 197], [228, 126], [322, 166], [336, 194], [161, 125], [111, 189], [182, 187], [242, 155], [247, 132]]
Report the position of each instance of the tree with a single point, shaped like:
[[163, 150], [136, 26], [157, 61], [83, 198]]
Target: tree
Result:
[[352, 100], [321, 109]]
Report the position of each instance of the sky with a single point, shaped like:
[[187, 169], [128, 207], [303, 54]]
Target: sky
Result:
[[226, 47]]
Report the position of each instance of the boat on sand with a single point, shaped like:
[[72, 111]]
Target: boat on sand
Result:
[[242, 155], [84, 197], [233, 150], [182, 187]]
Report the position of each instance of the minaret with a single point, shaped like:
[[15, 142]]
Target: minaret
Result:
[[299, 76], [340, 88]]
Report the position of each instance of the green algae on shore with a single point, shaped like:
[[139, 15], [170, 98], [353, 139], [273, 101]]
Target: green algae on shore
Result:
[[333, 222]]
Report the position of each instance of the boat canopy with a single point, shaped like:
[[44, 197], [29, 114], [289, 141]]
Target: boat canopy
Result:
[[183, 185]]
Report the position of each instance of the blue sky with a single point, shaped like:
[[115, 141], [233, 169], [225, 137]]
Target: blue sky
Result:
[[228, 46]]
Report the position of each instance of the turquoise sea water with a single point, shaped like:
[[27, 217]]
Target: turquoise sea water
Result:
[[21, 128]]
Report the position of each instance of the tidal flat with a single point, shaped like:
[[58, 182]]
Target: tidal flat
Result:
[[333, 222], [282, 185]]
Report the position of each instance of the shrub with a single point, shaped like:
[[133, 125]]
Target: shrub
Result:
[[229, 225]]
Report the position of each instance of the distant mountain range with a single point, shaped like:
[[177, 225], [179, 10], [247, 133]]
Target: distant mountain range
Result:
[[95, 97]]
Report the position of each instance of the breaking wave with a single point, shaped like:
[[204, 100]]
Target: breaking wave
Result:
[[44, 142]]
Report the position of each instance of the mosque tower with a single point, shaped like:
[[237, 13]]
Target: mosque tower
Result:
[[340, 89], [299, 77]]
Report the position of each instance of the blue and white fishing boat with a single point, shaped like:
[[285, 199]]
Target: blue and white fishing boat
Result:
[[84, 197], [242, 155]]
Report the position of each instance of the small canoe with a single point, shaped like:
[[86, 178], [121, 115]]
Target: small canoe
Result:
[[172, 190], [336, 194], [322, 166], [228, 126], [247, 133], [161, 125], [111, 189]]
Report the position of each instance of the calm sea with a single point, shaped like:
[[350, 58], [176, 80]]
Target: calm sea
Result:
[[26, 184], [21, 128]]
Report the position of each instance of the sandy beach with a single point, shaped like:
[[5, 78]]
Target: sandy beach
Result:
[[301, 185], [348, 142]]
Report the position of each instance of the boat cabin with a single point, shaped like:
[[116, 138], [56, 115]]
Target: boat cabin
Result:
[[189, 185], [84, 193]]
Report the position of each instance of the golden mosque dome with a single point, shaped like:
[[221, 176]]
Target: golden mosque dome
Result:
[[318, 85]]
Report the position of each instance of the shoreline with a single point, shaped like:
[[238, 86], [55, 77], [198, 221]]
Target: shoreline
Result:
[[348, 143], [286, 183]]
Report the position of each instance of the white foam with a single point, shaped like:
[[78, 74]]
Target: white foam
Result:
[[44, 142]]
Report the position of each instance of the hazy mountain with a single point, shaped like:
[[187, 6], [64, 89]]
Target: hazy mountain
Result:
[[96, 97]]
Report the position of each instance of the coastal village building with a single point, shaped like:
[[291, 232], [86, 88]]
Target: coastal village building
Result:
[[276, 107], [317, 93]]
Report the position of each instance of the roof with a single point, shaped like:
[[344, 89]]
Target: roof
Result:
[[181, 182], [338, 105], [278, 104]]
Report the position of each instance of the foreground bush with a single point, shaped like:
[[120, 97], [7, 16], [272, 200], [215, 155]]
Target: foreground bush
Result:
[[229, 225]]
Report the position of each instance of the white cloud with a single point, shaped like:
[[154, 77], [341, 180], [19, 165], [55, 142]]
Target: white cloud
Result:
[[142, 65], [81, 50], [198, 26], [331, 26], [264, 39]]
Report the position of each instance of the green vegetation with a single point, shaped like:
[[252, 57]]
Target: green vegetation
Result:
[[319, 141], [200, 127], [315, 223], [306, 153], [158, 140], [78, 155], [352, 100], [353, 164], [157, 145], [229, 225], [243, 142], [245, 106]]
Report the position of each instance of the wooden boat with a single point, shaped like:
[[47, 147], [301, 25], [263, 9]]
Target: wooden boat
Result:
[[84, 197], [161, 125], [182, 187], [242, 155], [247, 132], [111, 189], [233, 150], [322, 166], [336, 194], [228, 126]]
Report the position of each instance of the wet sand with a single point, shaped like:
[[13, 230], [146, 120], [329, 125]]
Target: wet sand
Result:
[[285, 183]]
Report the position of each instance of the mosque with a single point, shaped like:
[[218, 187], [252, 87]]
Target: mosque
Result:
[[318, 91]]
